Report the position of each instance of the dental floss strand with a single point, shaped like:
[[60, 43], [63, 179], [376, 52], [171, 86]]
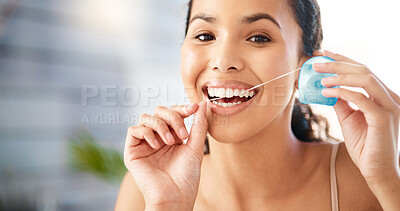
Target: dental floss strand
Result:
[[262, 84]]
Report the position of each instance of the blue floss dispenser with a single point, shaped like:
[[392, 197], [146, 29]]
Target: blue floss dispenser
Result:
[[310, 83]]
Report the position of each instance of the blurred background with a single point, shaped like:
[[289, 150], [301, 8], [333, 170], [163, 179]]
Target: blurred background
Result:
[[74, 75]]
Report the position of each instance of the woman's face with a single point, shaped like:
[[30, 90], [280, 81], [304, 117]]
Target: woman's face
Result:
[[232, 45]]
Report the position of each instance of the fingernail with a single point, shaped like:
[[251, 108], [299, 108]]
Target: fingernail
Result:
[[318, 66], [183, 132], [327, 52], [325, 92], [156, 144], [324, 80], [170, 138]]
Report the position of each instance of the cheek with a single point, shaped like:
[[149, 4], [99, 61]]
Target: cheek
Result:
[[268, 65], [193, 63]]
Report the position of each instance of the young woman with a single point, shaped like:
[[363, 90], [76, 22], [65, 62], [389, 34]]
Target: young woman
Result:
[[262, 152]]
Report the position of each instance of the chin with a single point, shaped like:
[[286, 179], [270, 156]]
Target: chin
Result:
[[228, 129], [244, 125]]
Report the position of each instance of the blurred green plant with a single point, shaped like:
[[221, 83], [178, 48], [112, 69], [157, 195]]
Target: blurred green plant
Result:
[[85, 154]]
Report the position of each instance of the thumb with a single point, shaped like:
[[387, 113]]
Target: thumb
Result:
[[198, 131]]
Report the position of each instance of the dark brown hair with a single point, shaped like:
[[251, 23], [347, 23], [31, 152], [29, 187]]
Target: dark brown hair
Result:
[[306, 125]]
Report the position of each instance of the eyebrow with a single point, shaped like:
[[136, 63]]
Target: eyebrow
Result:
[[259, 16], [204, 17], [248, 19]]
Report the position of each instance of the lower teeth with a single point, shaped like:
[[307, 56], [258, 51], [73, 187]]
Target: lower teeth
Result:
[[226, 104]]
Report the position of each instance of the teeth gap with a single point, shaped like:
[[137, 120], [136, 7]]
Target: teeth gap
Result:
[[244, 98]]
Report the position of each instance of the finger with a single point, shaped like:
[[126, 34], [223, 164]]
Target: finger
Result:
[[185, 110], [173, 119], [394, 96], [137, 144], [198, 132], [318, 53], [131, 140], [159, 126], [162, 143], [340, 67], [367, 106], [142, 133], [338, 57], [140, 151], [176, 137], [345, 66], [343, 110], [368, 82]]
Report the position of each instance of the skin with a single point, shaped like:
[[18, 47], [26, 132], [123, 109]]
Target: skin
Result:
[[258, 162]]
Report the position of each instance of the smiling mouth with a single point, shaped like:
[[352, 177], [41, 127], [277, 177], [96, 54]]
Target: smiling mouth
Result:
[[229, 96]]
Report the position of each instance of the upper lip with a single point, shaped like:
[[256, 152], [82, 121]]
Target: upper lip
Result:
[[233, 84]]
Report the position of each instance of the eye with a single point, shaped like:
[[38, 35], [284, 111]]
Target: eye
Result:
[[260, 39], [204, 37]]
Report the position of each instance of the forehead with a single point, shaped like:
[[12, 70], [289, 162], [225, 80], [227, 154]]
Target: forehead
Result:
[[234, 10]]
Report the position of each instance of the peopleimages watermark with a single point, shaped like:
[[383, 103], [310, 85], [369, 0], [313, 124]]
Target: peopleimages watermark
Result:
[[140, 98], [116, 119], [144, 97], [154, 95], [110, 119], [133, 95]]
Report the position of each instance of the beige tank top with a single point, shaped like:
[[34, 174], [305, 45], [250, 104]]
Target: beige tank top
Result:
[[334, 193]]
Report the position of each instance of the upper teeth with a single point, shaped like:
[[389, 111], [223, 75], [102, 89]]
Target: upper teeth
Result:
[[228, 93]]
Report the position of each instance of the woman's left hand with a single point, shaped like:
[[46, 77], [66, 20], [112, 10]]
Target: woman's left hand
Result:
[[370, 133]]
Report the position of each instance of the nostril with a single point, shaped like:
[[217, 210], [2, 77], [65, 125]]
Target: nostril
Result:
[[225, 69]]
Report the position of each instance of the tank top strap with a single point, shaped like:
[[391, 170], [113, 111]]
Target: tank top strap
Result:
[[334, 193]]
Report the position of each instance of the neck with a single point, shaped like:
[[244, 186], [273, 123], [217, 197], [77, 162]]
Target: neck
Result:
[[268, 164]]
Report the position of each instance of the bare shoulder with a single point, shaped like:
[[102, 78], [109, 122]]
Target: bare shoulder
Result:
[[353, 191], [129, 196]]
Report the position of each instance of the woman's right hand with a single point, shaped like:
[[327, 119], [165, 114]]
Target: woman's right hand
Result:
[[166, 171]]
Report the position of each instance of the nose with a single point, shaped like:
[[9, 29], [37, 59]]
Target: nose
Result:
[[226, 57]]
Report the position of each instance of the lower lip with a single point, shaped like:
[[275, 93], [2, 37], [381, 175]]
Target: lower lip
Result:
[[219, 110]]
